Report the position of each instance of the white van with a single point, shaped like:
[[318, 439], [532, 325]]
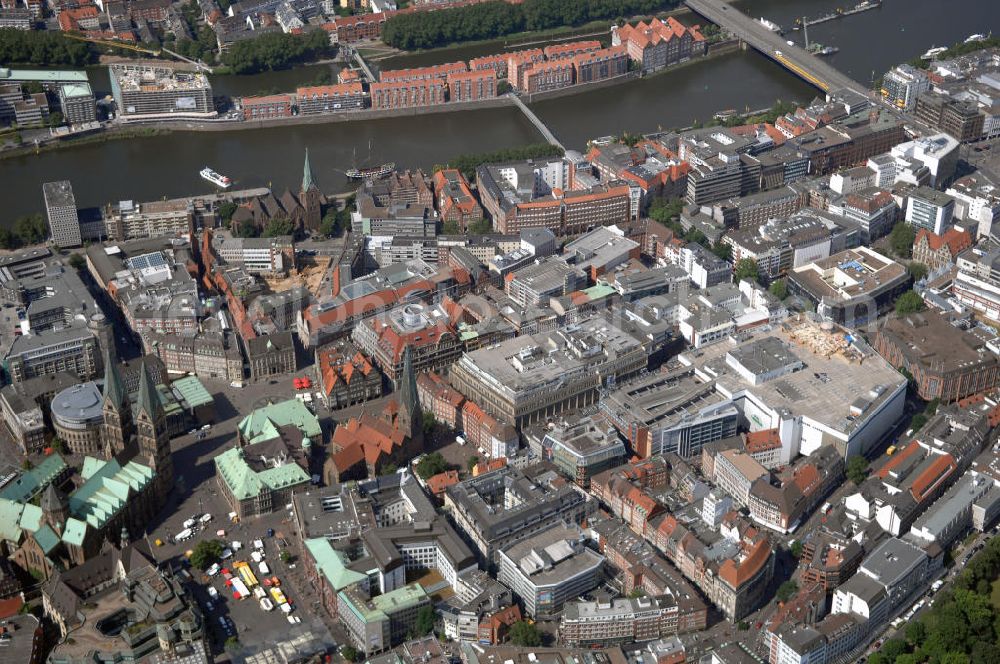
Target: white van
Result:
[[205, 518], [190, 523], [262, 567], [213, 593], [184, 535]]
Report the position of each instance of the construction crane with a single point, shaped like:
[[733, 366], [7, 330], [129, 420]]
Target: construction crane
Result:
[[111, 43]]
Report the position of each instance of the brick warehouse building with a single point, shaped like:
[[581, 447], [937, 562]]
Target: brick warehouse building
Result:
[[407, 94], [267, 107], [472, 85], [946, 362]]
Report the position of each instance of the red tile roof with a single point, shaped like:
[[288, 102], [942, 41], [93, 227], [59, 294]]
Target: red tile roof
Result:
[[932, 477], [956, 240], [438, 483]]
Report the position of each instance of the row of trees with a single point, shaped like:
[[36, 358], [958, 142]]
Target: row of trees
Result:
[[276, 51], [490, 20], [42, 47], [467, 163], [29, 229], [962, 627]]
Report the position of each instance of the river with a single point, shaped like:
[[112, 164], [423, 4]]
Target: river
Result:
[[167, 165]]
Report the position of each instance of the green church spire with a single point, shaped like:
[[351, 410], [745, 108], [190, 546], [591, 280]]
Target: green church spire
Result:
[[307, 175]]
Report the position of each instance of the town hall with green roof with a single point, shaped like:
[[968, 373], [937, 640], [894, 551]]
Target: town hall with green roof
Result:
[[272, 459]]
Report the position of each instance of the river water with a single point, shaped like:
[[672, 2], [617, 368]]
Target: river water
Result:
[[147, 169]]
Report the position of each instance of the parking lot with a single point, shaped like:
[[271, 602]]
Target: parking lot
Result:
[[196, 493]]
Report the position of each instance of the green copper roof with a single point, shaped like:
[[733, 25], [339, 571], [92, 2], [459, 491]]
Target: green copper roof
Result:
[[283, 476], [599, 291], [107, 491], [408, 401], [114, 388], [32, 482], [383, 605], [262, 424], [243, 483], [10, 518], [74, 532], [330, 563], [47, 539], [90, 466], [192, 392], [31, 518], [42, 75], [148, 400], [307, 174]]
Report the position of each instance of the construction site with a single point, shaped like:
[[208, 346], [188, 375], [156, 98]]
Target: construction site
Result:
[[310, 273], [812, 376]]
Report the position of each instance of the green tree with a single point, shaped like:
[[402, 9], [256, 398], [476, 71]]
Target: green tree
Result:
[[481, 227], [336, 221], [796, 549], [7, 239], [901, 240], [429, 422], [637, 593], [275, 51], [31, 229], [723, 251], [350, 653], [779, 289], [786, 591], [27, 465], [746, 268], [667, 212], [917, 270], [206, 553], [472, 462], [58, 445], [43, 48], [226, 210], [279, 226], [55, 119], [284, 556], [245, 230], [916, 633], [877, 658], [424, 621], [431, 465], [450, 228], [525, 634], [909, 302], [857, 469], [893, 648], [695, 236], [918, 422], [76, 261], [468, 163], [232, 644]]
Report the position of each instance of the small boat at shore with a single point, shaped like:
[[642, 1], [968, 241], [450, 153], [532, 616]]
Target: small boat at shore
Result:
[[933, 52], [373, 173]]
